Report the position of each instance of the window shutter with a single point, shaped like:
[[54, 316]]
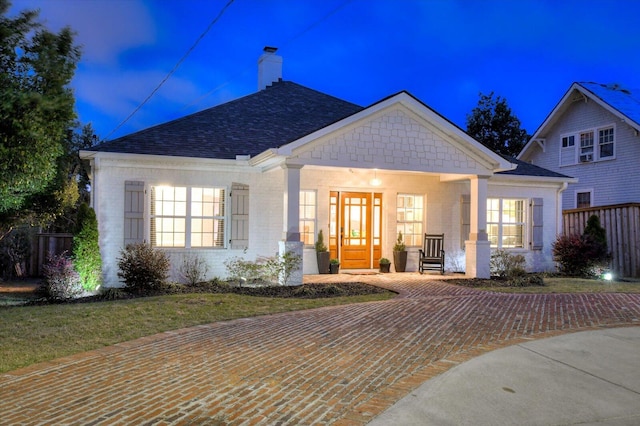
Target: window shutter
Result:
[[536, 225], [133, 212], [239, 216], [465, 218]]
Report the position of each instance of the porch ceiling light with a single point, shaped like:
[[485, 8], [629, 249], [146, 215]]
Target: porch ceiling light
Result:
[[375, 181]]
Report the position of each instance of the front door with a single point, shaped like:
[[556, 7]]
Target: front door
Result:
[[355, 230], [357, 241]]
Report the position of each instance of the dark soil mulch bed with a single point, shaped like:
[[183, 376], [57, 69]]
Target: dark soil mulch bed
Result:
[[305, 291]]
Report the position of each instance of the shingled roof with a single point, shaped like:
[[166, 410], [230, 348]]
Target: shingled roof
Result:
[[527, 169], [626, 101], [270, 118]]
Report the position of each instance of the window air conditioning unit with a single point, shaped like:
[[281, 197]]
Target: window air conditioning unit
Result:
[[585, 158]]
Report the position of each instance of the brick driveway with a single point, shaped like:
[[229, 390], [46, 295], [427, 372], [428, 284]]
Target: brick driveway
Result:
[[338, 365]]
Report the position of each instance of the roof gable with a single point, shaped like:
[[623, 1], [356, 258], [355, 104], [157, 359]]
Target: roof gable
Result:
[[622, 103], [399, 132], [270, 118]]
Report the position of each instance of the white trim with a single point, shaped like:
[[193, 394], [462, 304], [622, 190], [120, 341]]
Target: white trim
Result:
[[563, 104], [595, 155], [582, 191]]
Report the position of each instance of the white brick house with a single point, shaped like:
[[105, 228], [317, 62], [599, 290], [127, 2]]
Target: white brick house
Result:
[[266, 172]]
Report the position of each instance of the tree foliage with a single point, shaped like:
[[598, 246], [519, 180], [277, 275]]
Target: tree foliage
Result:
[[36, 117], [85, 249], [493, 124]]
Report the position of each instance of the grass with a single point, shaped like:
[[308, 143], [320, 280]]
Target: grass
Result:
[[569, 285], [33, 334]]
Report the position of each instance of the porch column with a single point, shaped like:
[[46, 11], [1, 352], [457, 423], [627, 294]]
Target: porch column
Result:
[[291, 222], [477, 248]]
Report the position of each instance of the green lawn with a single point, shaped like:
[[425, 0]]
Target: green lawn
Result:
[[32, 334], [572, 285]]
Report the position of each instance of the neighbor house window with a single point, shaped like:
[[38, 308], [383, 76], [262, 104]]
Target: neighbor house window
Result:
[[586, 146], [410, 217], [583, 199], [506, 222], [605, 142], [187, 216], [594, 145], [308, 217]]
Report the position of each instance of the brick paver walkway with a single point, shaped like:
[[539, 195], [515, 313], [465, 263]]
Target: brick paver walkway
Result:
[[337, 365]]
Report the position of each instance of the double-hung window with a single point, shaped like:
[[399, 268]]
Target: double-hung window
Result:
[[187, 216], [594, 145], [506, 222], [605, 142], [308, 217], [410, 217]]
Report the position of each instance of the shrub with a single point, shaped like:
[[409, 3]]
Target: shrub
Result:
[[240, 269], [61, 279], [143, 268], [596, 232], [399, 245], [576, 254], [507, 265], [193, 269], [272, 269], [85, 249], [320, 245]]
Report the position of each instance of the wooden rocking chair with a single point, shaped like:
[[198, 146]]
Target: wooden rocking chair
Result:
[[432, 253]]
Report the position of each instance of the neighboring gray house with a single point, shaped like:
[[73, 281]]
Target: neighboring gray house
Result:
[[264, 173], [593, 134]]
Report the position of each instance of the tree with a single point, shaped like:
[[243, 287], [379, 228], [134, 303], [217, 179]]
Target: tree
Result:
[[493, 124], [36, 115]]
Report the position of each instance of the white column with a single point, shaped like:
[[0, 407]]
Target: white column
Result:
[[477, 248], [291, 222], [291, 197]]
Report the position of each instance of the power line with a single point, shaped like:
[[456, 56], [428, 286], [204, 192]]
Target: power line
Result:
[[244, 71], [175, 68]]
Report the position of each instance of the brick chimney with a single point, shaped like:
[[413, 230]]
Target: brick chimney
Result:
[[269, 68]]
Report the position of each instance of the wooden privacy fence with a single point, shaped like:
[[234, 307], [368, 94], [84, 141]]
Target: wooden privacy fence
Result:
[[48, 244], [622, 223]]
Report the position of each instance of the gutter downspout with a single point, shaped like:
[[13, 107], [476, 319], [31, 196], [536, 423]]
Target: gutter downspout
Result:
[[559, 222]]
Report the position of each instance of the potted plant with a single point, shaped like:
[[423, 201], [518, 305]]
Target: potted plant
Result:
[[385, 265], [334, 266], [400, 254], [322, 254]]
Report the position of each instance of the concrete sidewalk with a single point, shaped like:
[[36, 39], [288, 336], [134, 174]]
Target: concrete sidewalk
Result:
[[591, 377]]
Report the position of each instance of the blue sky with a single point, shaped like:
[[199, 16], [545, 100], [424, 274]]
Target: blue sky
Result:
[[442, 51]]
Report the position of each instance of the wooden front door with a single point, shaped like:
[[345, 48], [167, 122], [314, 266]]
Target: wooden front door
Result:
[[355, 229]]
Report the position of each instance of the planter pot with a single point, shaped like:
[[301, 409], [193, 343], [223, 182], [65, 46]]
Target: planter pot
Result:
[[323, 262], [334, 268], [400, 260], [385, 267]]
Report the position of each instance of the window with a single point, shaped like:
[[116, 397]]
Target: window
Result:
[[589, 149], [187, 217], [506, 222], [586, 146], [583, 199], [568, 141], [308, 217], [605, 142], [410, 217]]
